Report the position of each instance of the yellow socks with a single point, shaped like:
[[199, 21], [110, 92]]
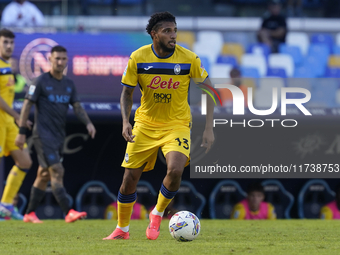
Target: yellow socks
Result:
[[164, 198], [125, 205], [13, 184]]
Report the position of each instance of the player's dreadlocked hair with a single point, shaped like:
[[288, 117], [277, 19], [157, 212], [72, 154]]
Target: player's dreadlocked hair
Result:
[[156, 19]]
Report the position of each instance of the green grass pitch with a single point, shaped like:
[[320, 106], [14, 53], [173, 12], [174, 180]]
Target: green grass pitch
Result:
[[216, 237]]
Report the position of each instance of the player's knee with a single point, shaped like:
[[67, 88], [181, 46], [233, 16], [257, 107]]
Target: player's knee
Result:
[[174, 172], [57, 172], [25, 164]]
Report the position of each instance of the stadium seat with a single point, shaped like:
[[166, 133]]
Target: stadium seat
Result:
[[337, 39], [332, 72], [22, 202], [223, 198], [212, 39], [325, 39], [187, 37], [304, 72], [184, 45], [93, 198], [279, 197], [146, 194], [315, 65], [255, 61], [233, 49], [205, 63], [293, 51], [276, 72], [334, 61], [298, 39], [250, 72], [210, 52], [220, 70], [336, 50], [313, 195], [49, 207], [189, 199], [227, 59], [259, 49], [244, 39], [319, 51], [285, 61]]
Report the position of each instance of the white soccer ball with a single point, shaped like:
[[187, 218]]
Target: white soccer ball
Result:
[[184, 226]]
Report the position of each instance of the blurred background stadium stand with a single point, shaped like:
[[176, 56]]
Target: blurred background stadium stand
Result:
[[101, 34]]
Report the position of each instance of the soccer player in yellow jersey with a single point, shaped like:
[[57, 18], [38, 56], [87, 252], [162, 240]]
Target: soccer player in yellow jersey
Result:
[[8, 129], [163, 71], [253, 207]]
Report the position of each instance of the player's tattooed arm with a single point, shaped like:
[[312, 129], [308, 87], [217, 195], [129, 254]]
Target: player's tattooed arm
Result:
[[84, 118], [23, 124], [126, 101], [25, 112], [80, 113]]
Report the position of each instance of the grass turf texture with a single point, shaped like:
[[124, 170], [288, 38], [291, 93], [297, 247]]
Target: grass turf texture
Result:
[[216, 237]]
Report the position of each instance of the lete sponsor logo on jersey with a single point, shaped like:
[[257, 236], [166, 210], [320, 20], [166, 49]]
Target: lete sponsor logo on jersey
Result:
[[31, 90], [157, 82]]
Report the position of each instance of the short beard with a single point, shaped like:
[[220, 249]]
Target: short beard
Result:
[[166, 49]]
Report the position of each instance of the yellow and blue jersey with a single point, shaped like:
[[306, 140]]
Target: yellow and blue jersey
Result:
[[7, 91], [164, 84]]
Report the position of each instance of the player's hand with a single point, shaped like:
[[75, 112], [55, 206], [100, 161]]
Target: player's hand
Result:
[[208, 139], [20, 141], [127, 133], [91, 129]]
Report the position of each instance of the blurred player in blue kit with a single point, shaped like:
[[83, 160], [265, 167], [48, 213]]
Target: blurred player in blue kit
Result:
[[52, 93]]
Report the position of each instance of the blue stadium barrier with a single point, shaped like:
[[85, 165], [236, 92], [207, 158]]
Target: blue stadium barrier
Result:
[[227, 59], [293, 51], [146, 194], [93, 198], [189, 199], [222, 199], [276, 72], [318, 193], [279, 197]]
